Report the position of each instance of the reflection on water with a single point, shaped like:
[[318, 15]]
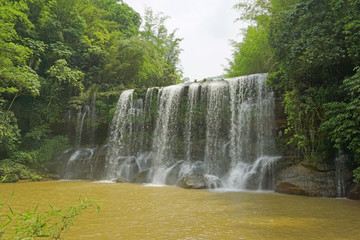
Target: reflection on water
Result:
[[131, 211]]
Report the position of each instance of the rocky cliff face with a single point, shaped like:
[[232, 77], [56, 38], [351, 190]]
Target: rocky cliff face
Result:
[[306, 180], [354, 192], [310, 178]]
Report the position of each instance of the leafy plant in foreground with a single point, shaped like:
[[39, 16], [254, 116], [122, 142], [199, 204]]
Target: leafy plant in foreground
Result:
[[33, 224]]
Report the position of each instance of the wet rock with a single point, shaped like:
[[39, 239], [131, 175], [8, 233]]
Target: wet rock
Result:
[[99, 162], [288, 188], [213, 182], [82, 163], [354, 192], [53, 176], [141, 177], [121, 180], [306, 180], [193, 182]]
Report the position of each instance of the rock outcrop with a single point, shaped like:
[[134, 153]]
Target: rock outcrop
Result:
[[300, 179], [354, 192], [82, 163], [200, 182], [193, 182]]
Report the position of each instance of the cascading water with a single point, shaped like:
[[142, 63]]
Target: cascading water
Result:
[[340, 174], [220, 131], [252, 142], [215, 142], [121, 134], [165, 132], [193, 96], [81, 124]]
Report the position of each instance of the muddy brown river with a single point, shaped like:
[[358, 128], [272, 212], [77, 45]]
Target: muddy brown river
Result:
[[130, 211]]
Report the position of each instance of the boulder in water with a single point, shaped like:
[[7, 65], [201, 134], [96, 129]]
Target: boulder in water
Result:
[[200, 182], [354, 192], [306, 180], [141, 177], [121, 180], [193, 182], [213, 181], [288, 188]]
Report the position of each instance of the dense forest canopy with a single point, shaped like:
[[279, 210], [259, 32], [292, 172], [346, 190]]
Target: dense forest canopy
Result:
[[56, 53], [311, 48]]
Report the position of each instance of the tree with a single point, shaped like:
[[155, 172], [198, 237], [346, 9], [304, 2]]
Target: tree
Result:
[[253, 54], [16, 78], [65, 81], [167, 44], [343, 119], [9, 133], [133, 62]]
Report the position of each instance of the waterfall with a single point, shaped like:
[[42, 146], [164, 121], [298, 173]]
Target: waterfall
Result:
[[219, 131], [81, 124], [79, 164], [193, 96], [340, 174], [91, 126], [216, 92], [252, 108], [119, 153], [166, 130]]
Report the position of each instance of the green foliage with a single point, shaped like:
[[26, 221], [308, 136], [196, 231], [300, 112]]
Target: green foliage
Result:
[[16, 78], [308, 40], [49, 149], [166, 44], [9, 133], [51, 224], [343, 118], [136, 59], [252, 55], [356, 174], [155, 31], [303, 116], [65, 79], [105, 111], [313, 58], [11, 171]]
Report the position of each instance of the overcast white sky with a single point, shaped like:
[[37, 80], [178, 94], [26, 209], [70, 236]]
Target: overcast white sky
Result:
[[206, 27]]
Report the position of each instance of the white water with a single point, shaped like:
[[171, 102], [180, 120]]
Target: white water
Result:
[[83, 131], [221, 129], [166, 128], [120, 131], [340, 176], [215, 104], [193, 96]]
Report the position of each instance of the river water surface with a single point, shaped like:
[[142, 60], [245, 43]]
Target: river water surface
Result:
[[130, 211]]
